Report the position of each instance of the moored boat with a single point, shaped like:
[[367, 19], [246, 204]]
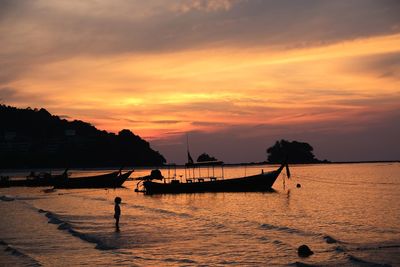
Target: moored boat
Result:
[[109, 180], [34, 179], [254, 183]]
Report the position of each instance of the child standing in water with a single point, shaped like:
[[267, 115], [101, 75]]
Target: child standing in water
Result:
[[117, 212]]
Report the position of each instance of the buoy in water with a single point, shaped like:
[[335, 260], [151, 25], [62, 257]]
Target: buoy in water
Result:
[[304, 251]]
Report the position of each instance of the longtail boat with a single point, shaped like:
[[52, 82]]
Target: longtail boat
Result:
[[109, 180], [254, 183], [34, 179]]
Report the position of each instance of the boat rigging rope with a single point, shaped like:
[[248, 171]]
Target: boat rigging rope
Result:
[[328, 181], [324, 181]]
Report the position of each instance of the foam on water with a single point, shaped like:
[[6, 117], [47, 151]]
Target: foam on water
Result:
[[286, 229], [67, 227], [180, 260], [21, 257], [345, 249], [6, 198], [361, 262], [39, 241], [136, 206], [330, 240]]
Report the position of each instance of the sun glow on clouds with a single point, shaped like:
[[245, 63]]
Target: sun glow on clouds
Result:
[[213, 88], [239, 73]]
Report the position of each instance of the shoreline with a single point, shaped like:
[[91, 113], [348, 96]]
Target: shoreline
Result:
[[57, 168]]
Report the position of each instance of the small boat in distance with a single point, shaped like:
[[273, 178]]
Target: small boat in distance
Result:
[[34, 179], [108, 180], [255, 183]]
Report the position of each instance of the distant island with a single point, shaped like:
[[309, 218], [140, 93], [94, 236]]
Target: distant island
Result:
[[34, 138], [293, 152], [204, 157]]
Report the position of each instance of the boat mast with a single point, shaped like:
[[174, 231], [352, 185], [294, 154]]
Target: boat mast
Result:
[[190, 159]]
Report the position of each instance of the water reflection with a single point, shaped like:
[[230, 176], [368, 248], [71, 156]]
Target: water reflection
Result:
[[345, 202]]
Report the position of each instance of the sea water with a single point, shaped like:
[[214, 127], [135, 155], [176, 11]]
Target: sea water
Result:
[[348, 214]]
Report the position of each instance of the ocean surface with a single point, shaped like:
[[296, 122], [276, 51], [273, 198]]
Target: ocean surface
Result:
[[348, 214]]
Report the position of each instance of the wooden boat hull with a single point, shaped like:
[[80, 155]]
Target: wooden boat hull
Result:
[[28, 182], [110, 180], [260, 182], [33, 182]]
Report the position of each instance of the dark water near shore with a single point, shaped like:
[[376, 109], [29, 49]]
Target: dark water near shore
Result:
[[348, 214]]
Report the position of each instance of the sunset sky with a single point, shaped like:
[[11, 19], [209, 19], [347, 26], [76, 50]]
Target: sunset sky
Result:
[[236, 75]]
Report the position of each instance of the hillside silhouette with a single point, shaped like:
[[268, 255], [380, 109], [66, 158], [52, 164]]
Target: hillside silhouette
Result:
[[35, 138], [292, 152]]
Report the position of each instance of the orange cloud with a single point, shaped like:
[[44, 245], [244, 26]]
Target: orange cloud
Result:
[[224, 86]]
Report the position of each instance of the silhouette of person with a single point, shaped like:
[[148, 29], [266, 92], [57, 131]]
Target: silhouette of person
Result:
[[117, 212]]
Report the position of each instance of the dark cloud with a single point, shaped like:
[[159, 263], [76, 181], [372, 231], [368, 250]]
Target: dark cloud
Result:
[[154, 121], [7, 93], [6, 6], [38, 31], [230, 107], [13, 96], [382, 65], [12, 72], [209, 123], [167, 121], [378, 99]]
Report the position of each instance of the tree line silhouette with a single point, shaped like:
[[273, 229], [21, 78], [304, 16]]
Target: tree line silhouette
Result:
[[292, 152], [204, 157], [35, 138]]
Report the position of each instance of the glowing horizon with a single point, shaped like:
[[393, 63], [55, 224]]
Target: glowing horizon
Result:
[[164, 82], [210, 86]]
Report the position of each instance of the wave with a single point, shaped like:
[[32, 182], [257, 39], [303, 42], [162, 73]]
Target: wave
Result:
[[145, 208], [346, 248], [88, 238], [327, 238], [330, 240], [23, 198], [49, 190], [301, 264], [365, 247], [279, 242], [286, 229], [162, 211], [6, 198], [27, 260], [359, 261], [187, 261], [65, 226], [349, 249], [377, 246], [348, 260]]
